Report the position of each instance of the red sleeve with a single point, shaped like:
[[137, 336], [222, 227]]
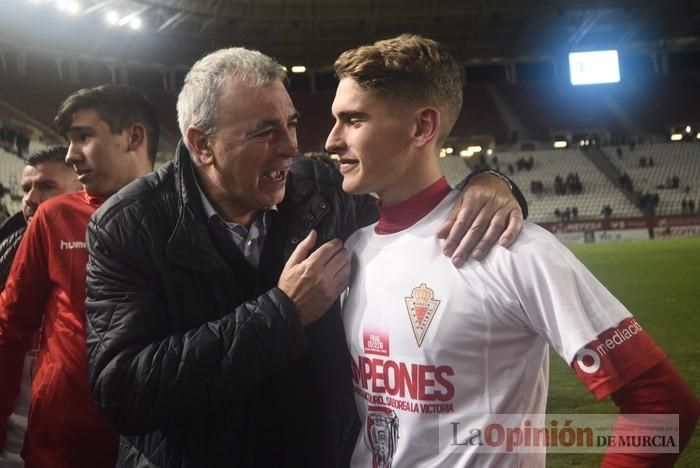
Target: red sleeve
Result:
[[617, 356], [22, 305], [660, 390]]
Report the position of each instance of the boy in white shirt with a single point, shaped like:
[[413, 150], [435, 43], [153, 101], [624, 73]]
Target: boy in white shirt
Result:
[[430, 341]]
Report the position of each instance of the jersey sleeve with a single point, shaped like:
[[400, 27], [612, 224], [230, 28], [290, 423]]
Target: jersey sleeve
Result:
[[587, 326], [21, 310]]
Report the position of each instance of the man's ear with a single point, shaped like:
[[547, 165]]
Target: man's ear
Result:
[[137, 136], [199, 144], [427, 126]]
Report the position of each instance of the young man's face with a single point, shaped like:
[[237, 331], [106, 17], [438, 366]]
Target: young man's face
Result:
[[103, 161], [43, 181], [372, 138], [253, 146]]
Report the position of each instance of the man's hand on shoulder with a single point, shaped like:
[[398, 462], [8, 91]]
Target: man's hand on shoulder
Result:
[[485, 213]]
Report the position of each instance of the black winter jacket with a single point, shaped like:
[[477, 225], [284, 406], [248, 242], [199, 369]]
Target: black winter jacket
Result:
[[11, 233], [196, 357]]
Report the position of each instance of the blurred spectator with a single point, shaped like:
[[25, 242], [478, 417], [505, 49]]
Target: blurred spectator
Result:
[[559, 187], [573, 183], [536, 187], [651, 162], [684, 205], [642, 162], [619, 152], [574, 212], [511, 170], [606, 211], [691, 206], [626, 182], [648, 203], [22, 142]]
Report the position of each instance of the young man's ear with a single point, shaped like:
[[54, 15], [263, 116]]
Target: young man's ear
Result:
[[199, 144], [427, 126], [137, 136]]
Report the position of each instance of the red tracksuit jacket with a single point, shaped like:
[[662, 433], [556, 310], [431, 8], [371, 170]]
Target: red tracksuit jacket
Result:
[[46, 290]]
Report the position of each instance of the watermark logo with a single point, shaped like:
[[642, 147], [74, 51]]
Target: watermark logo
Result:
[[559, 433]]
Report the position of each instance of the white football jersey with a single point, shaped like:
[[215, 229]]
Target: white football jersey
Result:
[[431, 342]]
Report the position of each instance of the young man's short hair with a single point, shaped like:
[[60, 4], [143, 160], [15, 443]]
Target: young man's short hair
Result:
[[52, 154], [118, 106], [410, 68]]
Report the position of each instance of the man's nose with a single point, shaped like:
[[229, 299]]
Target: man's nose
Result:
[[73, 155], [334, 142]]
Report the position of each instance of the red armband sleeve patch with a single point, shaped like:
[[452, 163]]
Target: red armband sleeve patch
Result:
[[615, 357]]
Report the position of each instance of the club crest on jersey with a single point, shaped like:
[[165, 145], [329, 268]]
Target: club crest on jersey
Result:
[[382, 435], [422, 307]]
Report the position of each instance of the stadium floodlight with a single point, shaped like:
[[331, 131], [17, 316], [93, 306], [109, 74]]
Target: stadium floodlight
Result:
[[676, 136], [449, 150], [561, 144], [135, 23], [466, 153], [489, 151], [335, 157], [298, 69], [594, 67], [688, 129], [112, 18], [474, 149], [697, 136]]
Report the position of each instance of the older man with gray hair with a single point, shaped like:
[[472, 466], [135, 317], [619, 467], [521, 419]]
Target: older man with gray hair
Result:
[[214, 330]]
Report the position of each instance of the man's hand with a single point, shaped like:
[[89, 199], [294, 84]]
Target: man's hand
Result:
[[485, 212], [313, 281]]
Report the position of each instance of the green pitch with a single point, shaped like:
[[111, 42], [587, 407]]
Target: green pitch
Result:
[[659, 282]]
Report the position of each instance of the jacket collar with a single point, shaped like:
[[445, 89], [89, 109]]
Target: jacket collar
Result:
[[190, 245]]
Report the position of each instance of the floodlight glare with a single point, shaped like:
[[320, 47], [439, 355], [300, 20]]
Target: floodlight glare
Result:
[[62, 5], [449, 150], [687, 129], [298, 69], [135, 23], [474, 149], [112, 18], [466, 154], [560, 144], [676, 137], [595, 67], [73, 7]]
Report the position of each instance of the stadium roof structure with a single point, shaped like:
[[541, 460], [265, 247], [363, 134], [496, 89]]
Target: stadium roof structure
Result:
[[312, 32]]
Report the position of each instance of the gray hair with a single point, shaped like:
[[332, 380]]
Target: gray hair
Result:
[[204, 83]]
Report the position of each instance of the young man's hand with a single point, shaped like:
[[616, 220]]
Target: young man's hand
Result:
[[485, 213]]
